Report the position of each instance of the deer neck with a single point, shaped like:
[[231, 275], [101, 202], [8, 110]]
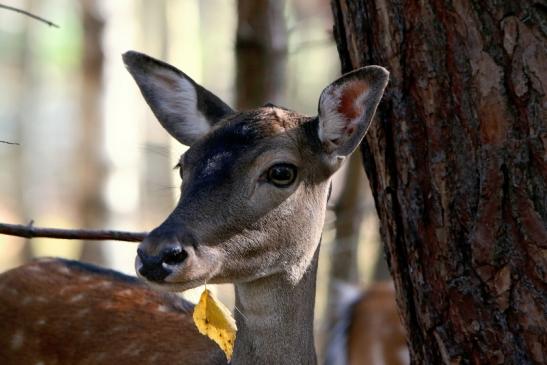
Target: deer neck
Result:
[[275, 320]]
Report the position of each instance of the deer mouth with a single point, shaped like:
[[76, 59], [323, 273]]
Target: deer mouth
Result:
[[177, 271]]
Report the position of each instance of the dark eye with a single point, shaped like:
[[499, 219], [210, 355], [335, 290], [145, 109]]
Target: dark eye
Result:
[[281, 175]]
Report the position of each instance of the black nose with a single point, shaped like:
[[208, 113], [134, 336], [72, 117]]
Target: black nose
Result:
[[153, 267]]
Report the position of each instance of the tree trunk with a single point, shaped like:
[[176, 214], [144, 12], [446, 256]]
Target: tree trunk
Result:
[[156, 180], [261, 51], [26, 79], [350, 211], [91, 206], [456, 162]]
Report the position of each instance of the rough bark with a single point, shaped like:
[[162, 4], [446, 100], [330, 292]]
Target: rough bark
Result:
[[456, 162]]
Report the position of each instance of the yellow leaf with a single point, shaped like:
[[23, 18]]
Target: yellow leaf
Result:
[[215, 321]]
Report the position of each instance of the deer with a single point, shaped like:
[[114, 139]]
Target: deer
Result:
[[367, 329], [252, 206]]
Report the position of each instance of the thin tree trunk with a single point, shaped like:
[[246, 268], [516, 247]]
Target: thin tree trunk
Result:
[[456, 161], [350, 210], [157, 198], [91, 205], [261, 51], [26, 78]]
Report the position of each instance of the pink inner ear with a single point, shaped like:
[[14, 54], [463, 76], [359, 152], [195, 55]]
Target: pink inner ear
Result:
[[167, 80], [351, 91]]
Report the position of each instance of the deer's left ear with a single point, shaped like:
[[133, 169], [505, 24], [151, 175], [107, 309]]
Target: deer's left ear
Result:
[[346, 108]]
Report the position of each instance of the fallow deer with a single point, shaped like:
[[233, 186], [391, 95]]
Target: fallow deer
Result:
[[367, 329], [251, 211]]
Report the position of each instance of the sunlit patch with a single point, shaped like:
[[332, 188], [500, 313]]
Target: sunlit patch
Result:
[[377, 353], [104, 284], [17, 340], [66, 289], [77, 298], [100, 356], [126, 292], [403, 355], [132, 350], [63, 269], [152, 359], [162, 308], [47, 260], [83, 312], [34, 268]]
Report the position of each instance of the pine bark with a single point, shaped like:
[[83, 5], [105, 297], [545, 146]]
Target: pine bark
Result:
[[457, 165]]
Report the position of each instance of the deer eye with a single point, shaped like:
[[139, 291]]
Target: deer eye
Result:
[[281, 175]]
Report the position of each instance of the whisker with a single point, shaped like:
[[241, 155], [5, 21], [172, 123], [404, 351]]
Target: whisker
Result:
[[240, 312]]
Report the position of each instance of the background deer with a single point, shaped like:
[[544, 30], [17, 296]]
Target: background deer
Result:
[[367, 330], [252, 206]]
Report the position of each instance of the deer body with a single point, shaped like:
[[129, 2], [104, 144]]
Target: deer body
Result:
[[367, 330], [61, 312], [253, 200]]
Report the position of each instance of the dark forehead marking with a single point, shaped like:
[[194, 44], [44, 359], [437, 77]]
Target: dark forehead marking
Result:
[[241, 131], [213, 158], [231, 137]]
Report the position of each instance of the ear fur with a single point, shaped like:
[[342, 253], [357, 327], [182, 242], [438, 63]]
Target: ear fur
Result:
[[346, 108], [185, 109]]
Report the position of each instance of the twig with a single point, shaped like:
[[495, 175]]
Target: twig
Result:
[[13, 143], [51, 24], [29, 231]]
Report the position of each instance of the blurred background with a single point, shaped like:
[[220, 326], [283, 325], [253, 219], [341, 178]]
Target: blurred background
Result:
[[90, 154]]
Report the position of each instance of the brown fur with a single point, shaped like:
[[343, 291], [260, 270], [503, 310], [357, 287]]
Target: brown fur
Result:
[[376, 332], [52, 313]]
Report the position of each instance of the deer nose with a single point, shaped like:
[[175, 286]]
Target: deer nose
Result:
[[158, 267]]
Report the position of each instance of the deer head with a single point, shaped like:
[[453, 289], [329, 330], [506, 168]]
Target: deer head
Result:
[[254, 183]]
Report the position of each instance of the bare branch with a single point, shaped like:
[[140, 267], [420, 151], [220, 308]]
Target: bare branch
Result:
[[13, 143], [51, 24], [29, 231]]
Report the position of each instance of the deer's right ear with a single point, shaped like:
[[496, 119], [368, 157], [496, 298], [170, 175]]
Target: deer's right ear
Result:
[[185, 109]]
